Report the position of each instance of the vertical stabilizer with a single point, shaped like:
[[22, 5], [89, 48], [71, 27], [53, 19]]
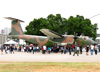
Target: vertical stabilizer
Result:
[[15, 27]]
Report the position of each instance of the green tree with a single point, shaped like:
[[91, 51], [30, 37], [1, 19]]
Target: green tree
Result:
[[35, 25], [81, 26], [56, 23], [52, 22]]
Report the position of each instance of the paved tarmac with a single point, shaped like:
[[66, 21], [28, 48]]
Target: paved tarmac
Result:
[[53, 57]]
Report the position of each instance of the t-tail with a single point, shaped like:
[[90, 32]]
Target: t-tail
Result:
[[15, 26]]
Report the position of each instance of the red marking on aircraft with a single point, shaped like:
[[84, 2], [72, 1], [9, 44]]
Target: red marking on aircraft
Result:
[[27, 37], [68, 40], [41, 42]]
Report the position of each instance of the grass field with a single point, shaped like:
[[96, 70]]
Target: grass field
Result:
[[49, 67]]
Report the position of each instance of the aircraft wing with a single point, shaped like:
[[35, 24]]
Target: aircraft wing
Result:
[[51, 34]]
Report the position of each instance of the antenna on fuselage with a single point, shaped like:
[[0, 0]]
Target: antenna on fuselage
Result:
[[82, 34]]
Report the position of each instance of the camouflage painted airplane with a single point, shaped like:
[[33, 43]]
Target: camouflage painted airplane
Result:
[[16, 32]]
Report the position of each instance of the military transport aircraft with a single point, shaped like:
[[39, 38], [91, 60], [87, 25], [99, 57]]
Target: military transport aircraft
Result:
[[16, 32]]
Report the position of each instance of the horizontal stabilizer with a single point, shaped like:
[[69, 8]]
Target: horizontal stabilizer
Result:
[[10, 18]]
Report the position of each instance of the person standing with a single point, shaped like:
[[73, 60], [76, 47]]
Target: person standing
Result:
[[33, 47], [80, 49], [65, 50], [5, 49], [92, 47], [44, 49], [11, 49], [62, 49], [87, 49], [95, 49], [76, 51], [49, 50], [2, 50], [69, 49], [72, 48], [99, 47], [27, 49], [37, 48]]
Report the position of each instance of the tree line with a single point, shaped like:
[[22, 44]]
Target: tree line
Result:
[[73, 25]]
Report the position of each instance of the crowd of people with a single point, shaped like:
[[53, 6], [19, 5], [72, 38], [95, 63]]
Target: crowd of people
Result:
[[76, 49]]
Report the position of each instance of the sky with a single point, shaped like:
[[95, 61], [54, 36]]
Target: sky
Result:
[[27, 10]]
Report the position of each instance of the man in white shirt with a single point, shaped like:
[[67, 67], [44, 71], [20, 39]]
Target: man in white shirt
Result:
[[92, 47], [44, 49]]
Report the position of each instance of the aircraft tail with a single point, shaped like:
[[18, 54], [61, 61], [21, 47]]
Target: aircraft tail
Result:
[[15, 27]]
